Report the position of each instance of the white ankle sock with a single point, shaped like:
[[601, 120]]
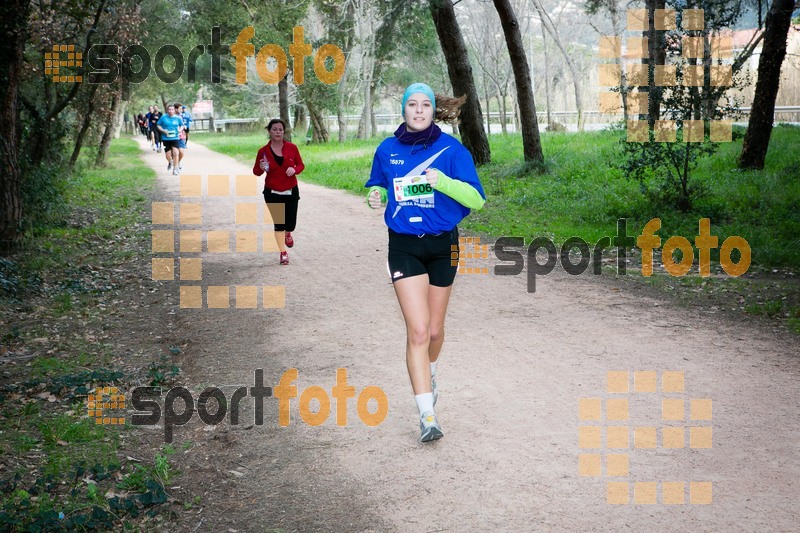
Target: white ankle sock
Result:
[[424, 402]]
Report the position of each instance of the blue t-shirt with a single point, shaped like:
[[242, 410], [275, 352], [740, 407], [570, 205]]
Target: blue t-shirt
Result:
[[187, 119], [172, 125], [428, 213]]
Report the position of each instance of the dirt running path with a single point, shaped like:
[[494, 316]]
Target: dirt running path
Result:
[[514, 369]]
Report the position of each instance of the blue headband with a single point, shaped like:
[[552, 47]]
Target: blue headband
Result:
[[417, 88]]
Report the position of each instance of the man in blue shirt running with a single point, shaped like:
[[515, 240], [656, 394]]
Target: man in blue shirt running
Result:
[[187, 123], [171, 126]]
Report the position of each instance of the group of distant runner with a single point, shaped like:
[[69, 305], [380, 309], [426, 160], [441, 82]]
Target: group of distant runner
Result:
[[170, 130]]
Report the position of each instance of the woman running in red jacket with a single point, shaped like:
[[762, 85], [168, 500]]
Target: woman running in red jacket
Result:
[[282, 163]]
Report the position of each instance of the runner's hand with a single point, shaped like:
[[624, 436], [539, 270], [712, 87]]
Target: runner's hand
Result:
[[432, 175], [264, 164], [290, 171], [374, 199]]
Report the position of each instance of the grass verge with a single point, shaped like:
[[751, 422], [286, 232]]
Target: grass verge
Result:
[[62, 337]]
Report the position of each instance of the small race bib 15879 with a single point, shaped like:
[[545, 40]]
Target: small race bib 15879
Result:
[[412, 188]]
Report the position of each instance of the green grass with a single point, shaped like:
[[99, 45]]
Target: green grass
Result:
[[770, 309], [49, 366], [54, 296], [581, 192], [578, 194], [69, 442], [162, 472], [118, 186], [62, 269], [103, 202]]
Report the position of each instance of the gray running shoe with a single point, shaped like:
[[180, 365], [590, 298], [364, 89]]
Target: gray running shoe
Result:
[[430, 428], [433, 389], [169, 167]]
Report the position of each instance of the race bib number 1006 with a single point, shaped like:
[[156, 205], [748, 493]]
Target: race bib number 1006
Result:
[[412, 188]]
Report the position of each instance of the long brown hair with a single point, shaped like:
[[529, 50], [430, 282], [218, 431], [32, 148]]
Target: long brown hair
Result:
[[448, 108]]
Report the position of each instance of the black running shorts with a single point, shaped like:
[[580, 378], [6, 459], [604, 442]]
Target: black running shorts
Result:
[[410, 255], [286, 213], [170, 144]]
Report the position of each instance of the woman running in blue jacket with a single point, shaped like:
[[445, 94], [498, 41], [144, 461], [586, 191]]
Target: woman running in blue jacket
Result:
[[427, 181]]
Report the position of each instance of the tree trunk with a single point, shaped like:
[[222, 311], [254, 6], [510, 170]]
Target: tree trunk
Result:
[[623, 88], [531, 144], [365, 126], [367, 29], [108, 132], [340, 108], [573, 69], [283, 107], [547, 101], [762, 114], [501, 107], [488, 107], [503, 110], [364, 122], [657, 53], [119, 118], [40, 141], [460, 72], [300, 118], [318, 123], [14, 13], [85, 125], [372, 99]]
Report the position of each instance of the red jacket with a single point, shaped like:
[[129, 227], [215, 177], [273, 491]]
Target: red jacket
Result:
[[276, 177]]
